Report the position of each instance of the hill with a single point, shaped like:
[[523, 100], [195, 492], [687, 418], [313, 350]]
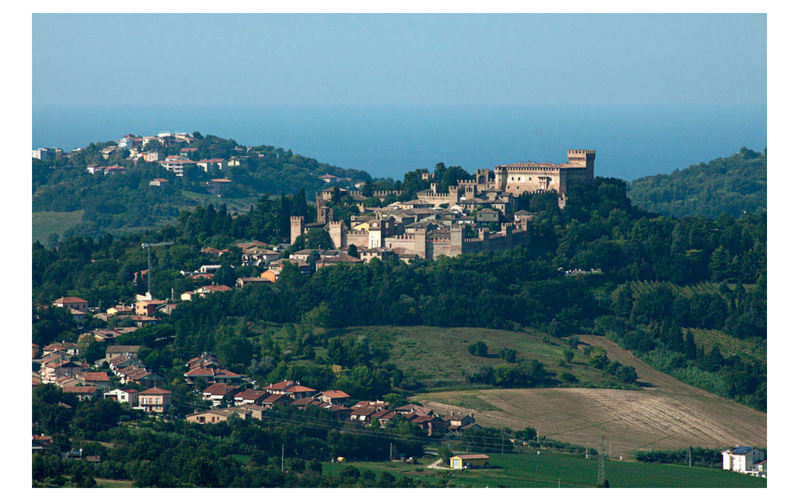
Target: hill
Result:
[[64, 190], [667, 414], [735, 185]]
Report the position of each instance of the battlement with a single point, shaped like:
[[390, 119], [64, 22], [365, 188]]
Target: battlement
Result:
[[357, 233], [406, 237], [431, 194], [296, 218], [581, 152], [378, 194]]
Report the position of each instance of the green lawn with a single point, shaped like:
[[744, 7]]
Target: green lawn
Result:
[[438, 358], [529, 470], [45, 223]]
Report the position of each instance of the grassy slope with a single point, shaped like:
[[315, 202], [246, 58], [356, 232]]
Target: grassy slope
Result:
[[45, 223], [439, 357]]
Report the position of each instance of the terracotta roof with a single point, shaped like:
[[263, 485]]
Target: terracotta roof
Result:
[[211, 372], [281, 386], [365, 411], [220, 389], [251, 394], [335, 394], [80, 389], [156, 390], [300, 388], [272, 398], [95, 376], [474, 456], [303, 402]]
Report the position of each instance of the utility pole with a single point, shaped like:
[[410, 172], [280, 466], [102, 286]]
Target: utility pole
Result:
[[149, 271], [390, 450], [282, 450], [690, 456], [601, 462]]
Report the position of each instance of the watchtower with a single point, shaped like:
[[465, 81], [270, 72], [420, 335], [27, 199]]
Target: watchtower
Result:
[[298, 227], [582, 158]]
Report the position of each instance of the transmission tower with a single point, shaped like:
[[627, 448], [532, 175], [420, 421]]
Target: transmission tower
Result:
[[149, 271], [601, 461]]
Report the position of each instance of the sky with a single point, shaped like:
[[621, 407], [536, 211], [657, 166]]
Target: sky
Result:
[[399, 59]]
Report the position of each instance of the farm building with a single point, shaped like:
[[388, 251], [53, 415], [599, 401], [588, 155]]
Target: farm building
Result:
[[469, 461], [744, 459]]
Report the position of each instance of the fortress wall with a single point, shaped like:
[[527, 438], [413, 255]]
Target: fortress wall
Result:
[[408, 242], [437, 247], [358, 238]]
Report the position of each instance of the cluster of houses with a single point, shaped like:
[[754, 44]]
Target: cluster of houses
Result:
[[59, 365], [236, 401]]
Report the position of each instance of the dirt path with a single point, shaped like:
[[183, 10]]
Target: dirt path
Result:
[[667, 414]]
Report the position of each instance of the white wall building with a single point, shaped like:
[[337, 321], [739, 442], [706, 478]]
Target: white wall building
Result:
[[744, 459]]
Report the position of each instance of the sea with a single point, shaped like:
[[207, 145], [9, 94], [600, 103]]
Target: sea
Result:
[[388, 141]]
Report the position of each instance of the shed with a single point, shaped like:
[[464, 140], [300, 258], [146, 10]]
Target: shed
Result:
[[476, 461]]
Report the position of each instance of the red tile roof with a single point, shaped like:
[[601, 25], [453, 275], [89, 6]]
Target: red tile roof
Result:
[[80, 389], [280, 386], [335, 394], [70, 300], [300, 388], [156, 390], [220, 389]]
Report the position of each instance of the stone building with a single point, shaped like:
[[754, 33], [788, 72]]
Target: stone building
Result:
[[424, 228]]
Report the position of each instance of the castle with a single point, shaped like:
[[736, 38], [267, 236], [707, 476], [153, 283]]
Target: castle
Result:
[[423, 228]]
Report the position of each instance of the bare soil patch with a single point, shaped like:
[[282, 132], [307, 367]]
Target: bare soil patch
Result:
[[667, 414]]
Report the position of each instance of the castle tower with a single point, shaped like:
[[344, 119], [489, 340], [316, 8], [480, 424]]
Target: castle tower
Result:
[[452, 195], [335, 232], [482, 178], [298, 227], [456, 240], [583, 158], [500, 178]]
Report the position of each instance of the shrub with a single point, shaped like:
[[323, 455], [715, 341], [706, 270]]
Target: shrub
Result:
[[479, 348]]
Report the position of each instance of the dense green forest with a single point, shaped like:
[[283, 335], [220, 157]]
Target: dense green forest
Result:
[[118, 204], [736, 185]]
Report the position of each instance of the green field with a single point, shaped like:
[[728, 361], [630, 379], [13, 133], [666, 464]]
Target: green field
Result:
[[45, 223], [747, 349], [438, 358], [529, 470], [234, 204]]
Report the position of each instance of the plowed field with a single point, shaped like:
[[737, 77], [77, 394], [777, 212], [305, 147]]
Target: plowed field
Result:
[[667, 414]]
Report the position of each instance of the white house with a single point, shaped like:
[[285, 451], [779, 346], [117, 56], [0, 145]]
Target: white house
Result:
[[744, 459], [129, 396]]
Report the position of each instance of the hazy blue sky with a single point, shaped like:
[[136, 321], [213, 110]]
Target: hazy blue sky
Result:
[[266, 59]]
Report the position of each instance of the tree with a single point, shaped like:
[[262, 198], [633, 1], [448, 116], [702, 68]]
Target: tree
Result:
[[479, 348], [225, 275], [444, 453], [598, 357], [626, 374], [569, 355]]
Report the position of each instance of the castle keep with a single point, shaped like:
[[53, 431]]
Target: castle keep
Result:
[[422, 228]]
